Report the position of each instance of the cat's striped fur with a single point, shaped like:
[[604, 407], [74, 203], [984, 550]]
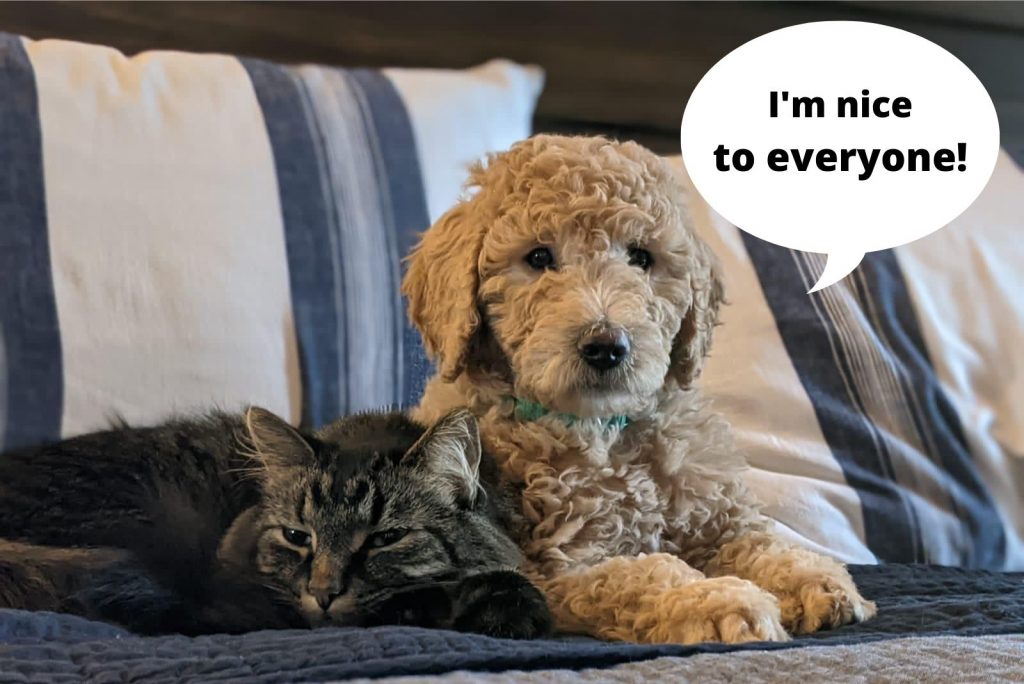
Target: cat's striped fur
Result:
[[232, 523]]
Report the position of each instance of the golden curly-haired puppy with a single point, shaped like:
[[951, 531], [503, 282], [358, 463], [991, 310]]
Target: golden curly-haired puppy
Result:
[[568, 303]]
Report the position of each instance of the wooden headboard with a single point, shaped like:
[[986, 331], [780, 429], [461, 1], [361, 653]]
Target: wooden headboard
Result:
[[625, 69]]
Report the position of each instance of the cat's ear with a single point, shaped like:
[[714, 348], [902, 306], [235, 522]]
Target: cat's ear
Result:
[[448, 456], [275, 443]]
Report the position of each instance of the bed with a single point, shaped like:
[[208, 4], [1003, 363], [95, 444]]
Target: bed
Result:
[[180, 230], [934, 624]]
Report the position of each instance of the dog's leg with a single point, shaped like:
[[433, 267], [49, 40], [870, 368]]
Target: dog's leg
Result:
[[814, 591], [658, 598]]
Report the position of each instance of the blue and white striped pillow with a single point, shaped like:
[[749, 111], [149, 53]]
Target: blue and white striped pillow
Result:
[[182, 230], [883, 416]]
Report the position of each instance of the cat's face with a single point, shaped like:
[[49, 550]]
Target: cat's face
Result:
[[344, 533]]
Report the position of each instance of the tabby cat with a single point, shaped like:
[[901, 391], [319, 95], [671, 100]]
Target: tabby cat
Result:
[[233, 523]]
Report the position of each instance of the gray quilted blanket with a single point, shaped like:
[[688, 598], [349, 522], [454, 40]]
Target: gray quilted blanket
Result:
[[913, 600]]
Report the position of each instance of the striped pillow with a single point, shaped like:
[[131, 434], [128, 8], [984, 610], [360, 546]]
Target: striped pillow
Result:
[[183, 230], [883, 416]]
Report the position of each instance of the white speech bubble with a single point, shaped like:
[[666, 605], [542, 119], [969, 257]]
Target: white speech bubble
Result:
[[867, 207]]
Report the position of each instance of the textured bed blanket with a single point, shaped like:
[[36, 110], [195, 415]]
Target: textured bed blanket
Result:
[[40, 647], [917, 660]]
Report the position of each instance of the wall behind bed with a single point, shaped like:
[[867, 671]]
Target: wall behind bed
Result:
[[625, 69]]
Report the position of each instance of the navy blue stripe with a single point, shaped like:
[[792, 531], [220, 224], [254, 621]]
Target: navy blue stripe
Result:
[[400, 168], [1016, 153], [890, 529], [33, 387], [307, 216], [891, 526], [935, 416]]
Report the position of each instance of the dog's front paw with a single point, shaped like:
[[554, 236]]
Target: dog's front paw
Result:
[[822, 599], [501, 603], [724, 609]]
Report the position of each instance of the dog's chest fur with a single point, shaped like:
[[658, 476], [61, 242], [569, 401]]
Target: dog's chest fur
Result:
[[590, 493]]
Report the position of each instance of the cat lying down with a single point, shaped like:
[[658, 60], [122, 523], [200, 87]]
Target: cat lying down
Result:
[[235, 523]]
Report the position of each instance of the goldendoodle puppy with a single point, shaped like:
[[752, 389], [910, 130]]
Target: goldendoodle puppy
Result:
[[568, 303]]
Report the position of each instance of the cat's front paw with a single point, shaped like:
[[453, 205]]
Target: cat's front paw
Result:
[[822, 599], [503, 604], [422, 607]]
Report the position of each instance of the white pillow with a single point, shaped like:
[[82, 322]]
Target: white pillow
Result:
[[883, 417], [458, 116], [191, 231]]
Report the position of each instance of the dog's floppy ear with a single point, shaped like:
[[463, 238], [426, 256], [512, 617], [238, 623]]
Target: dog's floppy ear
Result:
[[441, 285], [693, 340]]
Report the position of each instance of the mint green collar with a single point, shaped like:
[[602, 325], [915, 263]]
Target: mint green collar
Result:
[[529, 411]]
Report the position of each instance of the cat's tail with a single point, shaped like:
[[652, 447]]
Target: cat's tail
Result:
[[97, 583], [114, 585], [33, 577]]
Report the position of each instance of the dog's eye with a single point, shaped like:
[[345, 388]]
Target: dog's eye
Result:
[[379, 540], [296, 537], [540, 259], [640, 258]]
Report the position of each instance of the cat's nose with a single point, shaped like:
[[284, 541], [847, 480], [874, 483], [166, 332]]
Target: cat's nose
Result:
[[326, 592], [326, 580], [325, 598]]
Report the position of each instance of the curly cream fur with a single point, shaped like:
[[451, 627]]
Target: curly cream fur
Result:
[[646, 533]]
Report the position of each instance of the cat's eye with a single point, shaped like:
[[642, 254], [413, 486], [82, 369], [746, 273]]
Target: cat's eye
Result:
[[540, 259], [379, 540], [640, 257], [296, 537]]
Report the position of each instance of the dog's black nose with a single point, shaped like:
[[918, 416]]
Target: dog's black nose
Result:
[[605, 349]]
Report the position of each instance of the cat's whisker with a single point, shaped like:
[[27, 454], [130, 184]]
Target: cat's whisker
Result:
[[247, 473]]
